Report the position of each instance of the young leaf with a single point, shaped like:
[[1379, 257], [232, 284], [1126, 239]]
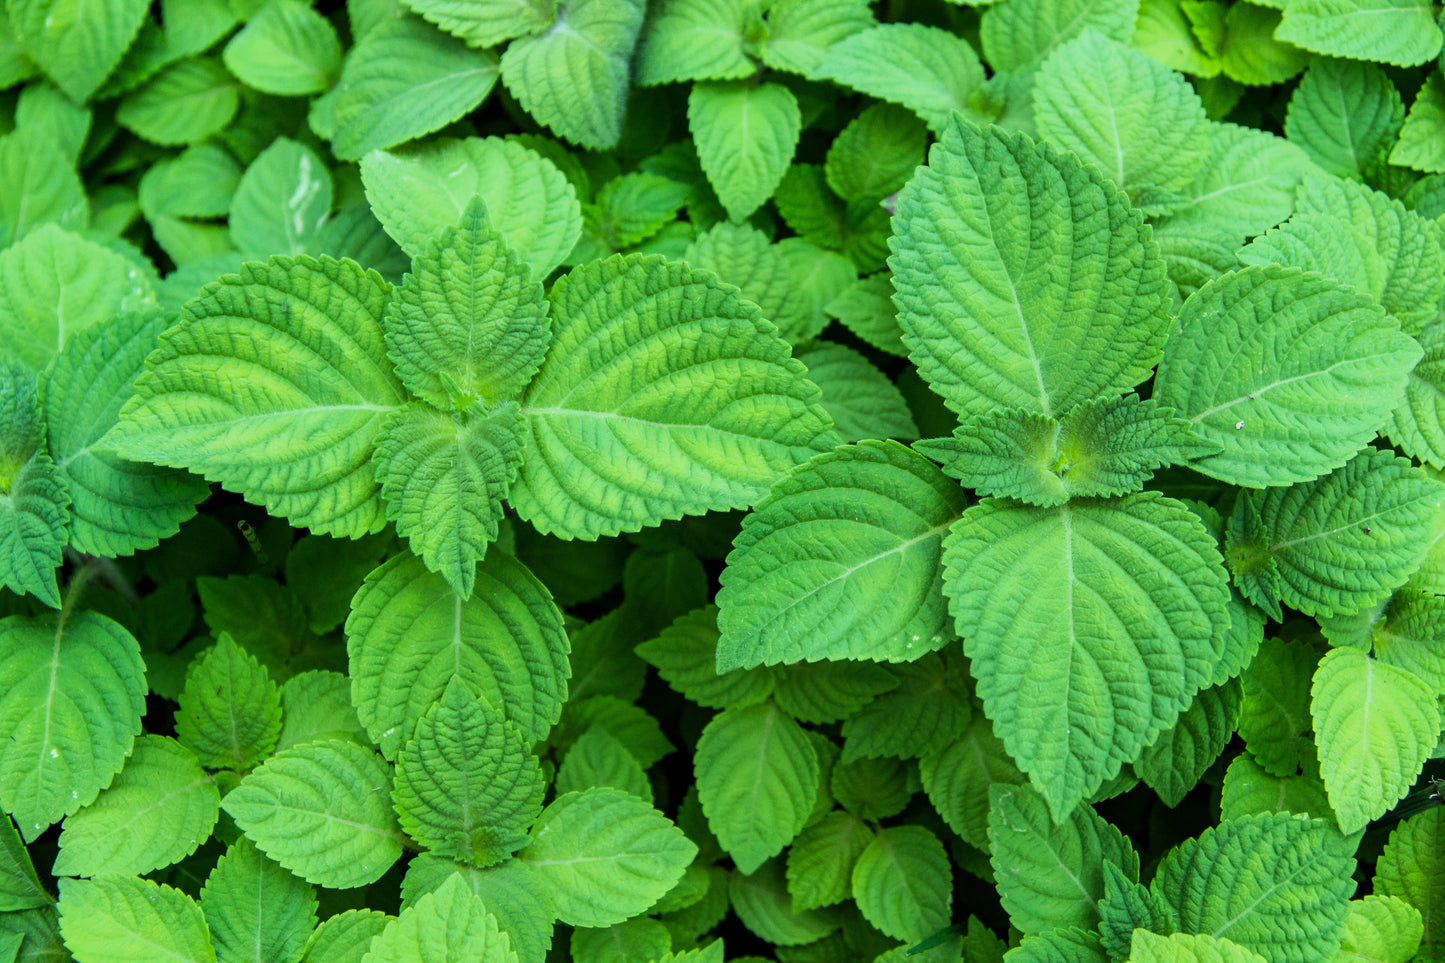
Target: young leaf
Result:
[[821, 861], [33, 513], [1419, 143], [508, 890], [257, 912], [1384, 928], [745, 136], [230, 710], [488, 23], [1412, 868], [757, 777], [617, 380], [451, 923], [862, 401], [875, 595], [294, 437], [685, 655], [282, 200], [903, 883], [405, 79], [322, 810], [288, 48], [857, 229], [742, 255], [1043, 597], [629, 724], [467, 784], [984, 318], [876, 154], [71, 698], [927, 711], [1345, 114], [316, 706], [1125, 907], [20, 888], [184, 104], [1399, 32], [1274, 719], [761, 901], [1174, 764], [1375, 725], [604, 855], [697, 40], [597, 758], [1410, 635], [123, 919], [345, 937], [77, 46], [1418, 425], [957, 779], [1245, 40], [155, 812]]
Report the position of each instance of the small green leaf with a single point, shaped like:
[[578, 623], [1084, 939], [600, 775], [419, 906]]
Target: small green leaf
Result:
[[1409, 636], [185, 103], [862, 401], [903, 883], [75, 44], [742, 255], [486, 23], [288, 48], [282, 200], [872, 788], [761, 901], [122, 919], [597, 758], [745, 136], [1419, 144], [876, 154], [1246, 185], [45, 188], [635, 206], [697, 40], [345, 937], [1418, 425], [1275, 718], [821, 860], [927, 711], [257, 912], [1399, 32], [316, 706], [1150, 947], [451, 923], [33, 495], [823, 692], [1385, 929], [801, 32], [1346, 115], [957, 779], [230, 710], [1412, 868], [630, 725], [20, 888], [865, 307], [1174, 764], [508, 890], [1125, 907], [1246, 41], [685, 655], [1020, 35]]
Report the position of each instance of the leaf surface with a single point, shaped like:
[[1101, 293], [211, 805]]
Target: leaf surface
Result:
[[745, 138], [123, 919], [257, 912], [1399, 32], [903, 883]]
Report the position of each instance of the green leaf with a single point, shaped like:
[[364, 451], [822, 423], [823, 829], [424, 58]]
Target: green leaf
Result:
[[44, 188], [443, 477], [263, 616], [295, 437], [801, 32], [742, 255], [604, 855], [596, 404], [629, 724], [883, 510], [1399, 32], [1247, 48], [71, 698], [1150, 947], [155, 812], [116, 506], [1045, 597], [1246, 185], [288, 48], [862, 401], [757, 777], [1127, 906], [872, 788], [467, 784], [1412, 869], [957, 779], [122, 919], [876, 154], [33, 496], [597, 758], [488, 23], [1345, 115], [697, 40], [903, 883], [345, 937], [257, 912], [685, 655], [1139, 122], [635, 940], [761, 901], [316, 706], [745, 136], [424, 193], [1020, 35], [402, 80], [1310, 370], [823, 692], [323, 811], [1380, 928], [1069, 944], [230, 710], [1174, 764], [1375, 725], [451, 923], [19, 886], [75, 44], [1419, 143], [1275, 718], [282, 200], [575, 80], [635, 206], [1051, 874], [39, 931], [51, 113], [927, 711], [925, 69], [508, 891], [821, 860], [1409, 636], [1418, 425], [985, 318], [185, 103], [55, 285]]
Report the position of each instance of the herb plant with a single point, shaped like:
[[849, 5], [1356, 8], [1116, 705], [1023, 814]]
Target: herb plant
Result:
[[717, 479]]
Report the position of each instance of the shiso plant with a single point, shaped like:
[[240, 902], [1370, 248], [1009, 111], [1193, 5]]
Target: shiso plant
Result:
[[516, 482]]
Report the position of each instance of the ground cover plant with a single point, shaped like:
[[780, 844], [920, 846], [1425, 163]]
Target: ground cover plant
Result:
[[722, 480]]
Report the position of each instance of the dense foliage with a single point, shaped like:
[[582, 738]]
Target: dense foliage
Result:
[[513, 481]]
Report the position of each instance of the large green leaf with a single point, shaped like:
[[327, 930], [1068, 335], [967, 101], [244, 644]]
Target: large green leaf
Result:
[[1412, 868], [987, 315], [274, 383], [757, 777], [1291, 373], [451, 923], [1089, 626], [1399, 32], [75, 43], [604, 855], [745, 134], [322, 810], [619, 436], [1345, 114], [257, 912], [123, 919], [71, 697], [903, 883], [859, 532], [506, 642]]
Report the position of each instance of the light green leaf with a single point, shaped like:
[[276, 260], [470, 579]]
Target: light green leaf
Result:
[[1418, 425], [1291, 373], [635, 206], [884, 511], [419, 195], [604, 855], [43, 108], [317, 706], [1275, 718], [575, 80], [597, 758], [116, 506], [1375, 725], [1020, 35], [620, 381], [741, 254], [322, 810], [20, 888], [685, 655], [184, 104], [487, 23], [1150, 947], [198, 182], [295, 437], [33, 497], [1412, 868], [1410, 636], [1139, 122], [345, 937], [1276, 884], [1068, 944], [1345, 115], [862, 401], [44, 188], [508, 891], [903, 883], [761, 901], [801, 32], [697, 40], [985, 318], [757, 777], [155, 812], [71, 698], [1419, 146], [823, 692], [257, 912], [282, 200], [1380, 929], [1125, 907], [1164, 33], [821, 860], [122, 919], [1174, 764], [230, 710], [745, 135], [54, 285], [876, 154], [288, 48], [402, 80], [1045, 597], [1399, 32], [76, 44], [627, 723], [632, 941], [865, 307], [1247, 48], [928, 710], [1246, 185], [506, 643], [443, 477], [449, 925], [957, 779], [467, 784]]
